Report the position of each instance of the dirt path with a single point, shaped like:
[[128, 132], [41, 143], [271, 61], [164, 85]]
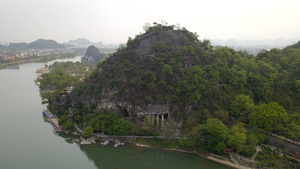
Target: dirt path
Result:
[[257, 151]]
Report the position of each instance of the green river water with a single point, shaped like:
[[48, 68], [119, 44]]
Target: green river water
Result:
[[27, 141]]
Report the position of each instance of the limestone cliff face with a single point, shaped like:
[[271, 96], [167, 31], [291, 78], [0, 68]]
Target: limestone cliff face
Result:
[[107, 100], [147, 41], [175, 38]]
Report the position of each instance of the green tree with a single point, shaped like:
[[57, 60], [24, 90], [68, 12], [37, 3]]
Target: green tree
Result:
[[63, 119], [121, 127], [220, 147], [190, 123], [237, 140], [241, 106], [158, 47], [297, 84], [237, 137], [182, 141], [191, 86], [197, 135], [68, 124], [167, 70], [215, 132], [269, 116], [221, 114], [88, 131], [250, 147]]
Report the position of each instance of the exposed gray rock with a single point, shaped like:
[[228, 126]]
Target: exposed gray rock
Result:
[[85, 142], [105, 142], [75, 133], [92, 140], [118, 143], [105, 100], [148, 40], [76, 140]]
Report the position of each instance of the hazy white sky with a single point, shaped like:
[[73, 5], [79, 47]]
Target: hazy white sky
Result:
[[113, 21]]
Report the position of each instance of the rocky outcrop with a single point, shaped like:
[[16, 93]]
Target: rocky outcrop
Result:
[[118, 143], [88, 141], [105, 142], [143, 111], [147, 41], [107, 100], [92, 55], [130, 108]]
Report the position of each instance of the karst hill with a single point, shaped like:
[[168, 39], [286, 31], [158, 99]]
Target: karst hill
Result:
[[170, 73]]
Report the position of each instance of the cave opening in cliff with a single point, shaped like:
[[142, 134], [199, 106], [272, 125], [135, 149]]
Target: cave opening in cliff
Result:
[[166, 116], [125, 113]]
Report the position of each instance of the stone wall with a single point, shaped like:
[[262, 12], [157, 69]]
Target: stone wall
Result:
[[281, 144]]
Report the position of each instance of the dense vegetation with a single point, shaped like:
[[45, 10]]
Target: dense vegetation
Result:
[[64, 74], [107, 122], [202, 77], [214, 91], [199, 78], [271, 159], [60, 76]]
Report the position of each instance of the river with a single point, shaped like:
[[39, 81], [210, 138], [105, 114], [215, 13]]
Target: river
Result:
[[27, 141]]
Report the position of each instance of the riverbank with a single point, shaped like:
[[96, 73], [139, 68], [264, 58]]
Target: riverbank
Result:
[[45, 58], [115, 139], [138, 141], [211, 157]]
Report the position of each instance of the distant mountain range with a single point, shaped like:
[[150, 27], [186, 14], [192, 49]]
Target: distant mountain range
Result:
[[278, 43], [51, 44], [38, 44], [84, 42]]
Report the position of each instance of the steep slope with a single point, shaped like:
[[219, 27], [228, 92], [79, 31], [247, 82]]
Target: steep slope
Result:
[[93, 55], [141, 79], [170, 72]]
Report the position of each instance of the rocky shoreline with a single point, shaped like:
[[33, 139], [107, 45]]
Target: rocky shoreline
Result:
[[119, 142], [92, 140], [211, 157]]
